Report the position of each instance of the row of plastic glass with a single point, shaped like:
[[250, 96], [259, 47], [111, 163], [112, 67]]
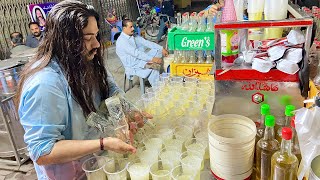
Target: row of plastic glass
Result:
[[195, 22], [176, 145], [183, 149], [193, 57], [189, 111], [180, 139], [103, 167], [178, 100], [167, 83], [178, 96]]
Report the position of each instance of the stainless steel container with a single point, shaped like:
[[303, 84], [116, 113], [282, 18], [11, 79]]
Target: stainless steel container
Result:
[[11, 131], [9, 75]]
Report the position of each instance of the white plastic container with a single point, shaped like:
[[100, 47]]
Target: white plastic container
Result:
[[275, 9], [238, 5], [231, 146]]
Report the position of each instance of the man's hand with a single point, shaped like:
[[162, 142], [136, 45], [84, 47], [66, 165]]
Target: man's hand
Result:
[[116, 145], [136, 120], [165, 53], [213, 9], [156, 60]]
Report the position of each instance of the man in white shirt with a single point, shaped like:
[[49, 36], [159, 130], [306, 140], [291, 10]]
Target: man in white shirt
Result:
[[139, 56]]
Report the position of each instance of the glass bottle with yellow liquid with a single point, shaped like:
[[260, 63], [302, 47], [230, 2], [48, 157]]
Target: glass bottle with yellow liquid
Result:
[[264, 111], [295, 143], [284, 164], [266, 147], [287, 120], [284, 101]]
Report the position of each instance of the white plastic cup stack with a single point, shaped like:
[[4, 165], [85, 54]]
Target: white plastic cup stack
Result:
[[255, 9], [231, 146], [275, 10]]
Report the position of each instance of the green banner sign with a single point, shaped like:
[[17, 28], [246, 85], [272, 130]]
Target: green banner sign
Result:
[[184, 40]]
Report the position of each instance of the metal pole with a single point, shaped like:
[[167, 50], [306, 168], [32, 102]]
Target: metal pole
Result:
[[138, 7]]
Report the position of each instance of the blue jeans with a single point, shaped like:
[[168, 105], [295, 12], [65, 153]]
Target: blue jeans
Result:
[[163, 28]]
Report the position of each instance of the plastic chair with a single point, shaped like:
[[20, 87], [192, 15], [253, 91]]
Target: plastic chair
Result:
[[130, 79]]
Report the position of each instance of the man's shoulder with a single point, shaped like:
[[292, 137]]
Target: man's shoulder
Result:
[[122, 36], [122, 39], [49, 76], [29, 37]]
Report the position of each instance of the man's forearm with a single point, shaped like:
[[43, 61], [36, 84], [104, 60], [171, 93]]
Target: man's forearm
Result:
[[69, 150]]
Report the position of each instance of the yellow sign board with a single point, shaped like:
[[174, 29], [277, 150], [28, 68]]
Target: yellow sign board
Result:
[[201, 71]]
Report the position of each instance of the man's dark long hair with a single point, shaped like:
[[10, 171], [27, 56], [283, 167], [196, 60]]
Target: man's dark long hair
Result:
[[63, 39]]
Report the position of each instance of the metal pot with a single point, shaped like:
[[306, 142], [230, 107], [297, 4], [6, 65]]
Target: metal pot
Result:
[[9, 75], [11, 131]]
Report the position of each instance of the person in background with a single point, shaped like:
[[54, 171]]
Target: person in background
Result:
[[18, 46], [119, 27], [213, 8], [36, 35], [60, 88], [120, 22], [167, 8], [139, 56]]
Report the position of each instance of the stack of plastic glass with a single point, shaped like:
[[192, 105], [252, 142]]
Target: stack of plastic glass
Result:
[[275, 10], [238, 4], [255, 9]]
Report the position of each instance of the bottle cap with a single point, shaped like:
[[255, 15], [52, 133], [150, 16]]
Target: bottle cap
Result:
[[270, 121], [265, 109], [293, 122], [286, 133], [289, 109]]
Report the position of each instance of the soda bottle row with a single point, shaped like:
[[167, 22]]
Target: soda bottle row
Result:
[[193, 57], [195, 22]]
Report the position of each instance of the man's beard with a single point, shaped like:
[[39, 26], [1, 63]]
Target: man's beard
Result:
[[88, 54], [37, 34]]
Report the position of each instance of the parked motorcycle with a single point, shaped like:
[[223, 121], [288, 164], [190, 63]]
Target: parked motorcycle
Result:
[[150, 20]]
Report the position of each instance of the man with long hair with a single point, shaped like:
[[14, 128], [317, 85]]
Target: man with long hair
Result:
[[60, 88]]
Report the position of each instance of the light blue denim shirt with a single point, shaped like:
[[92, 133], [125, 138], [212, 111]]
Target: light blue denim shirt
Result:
[[48, 113]]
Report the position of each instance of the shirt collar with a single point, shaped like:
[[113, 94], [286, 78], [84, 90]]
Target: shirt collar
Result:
[[126, 35]]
